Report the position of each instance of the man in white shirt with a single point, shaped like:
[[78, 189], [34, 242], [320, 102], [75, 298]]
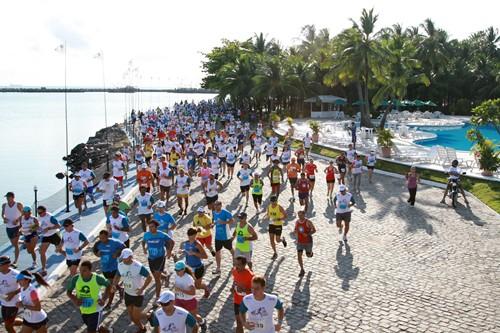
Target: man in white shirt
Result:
[[108, 186]]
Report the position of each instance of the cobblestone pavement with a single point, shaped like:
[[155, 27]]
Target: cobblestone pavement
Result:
[[425, 268]]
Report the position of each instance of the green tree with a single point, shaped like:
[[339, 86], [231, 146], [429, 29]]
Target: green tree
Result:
[[487, 113]]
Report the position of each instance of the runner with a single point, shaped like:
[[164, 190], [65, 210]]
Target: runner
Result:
[[343, 202], [118, 167], [371, 159], [242, 286], [257, 148], [307, 144], [211, 189], [293, 170], [244, 234], [222, 221], [276, 214], [194, 253], [303, 187], [108, 250], [166, 178], [276, 178], [182, 184], [257, 186], [10, 290], [145, 202], [145, 177], [350, 159], [245, 177], [34, 317], [166, 220], [170, 316], [11, 212], [203, 224], [118, 226], [87, 296], [73, 241], [108, 186], [49, 227], [123, 207], [357, 171], [342, 162], [230, 162], [330, 179], [154, 243], [304, 229], [185, 292], [310, 169], [139, 155], [153, 164], [258, 308], [301, 156], [79, 188], [136, 279], [29, 227], [88, 176]]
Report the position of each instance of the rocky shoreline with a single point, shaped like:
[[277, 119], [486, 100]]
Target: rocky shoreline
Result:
[[110, 140]]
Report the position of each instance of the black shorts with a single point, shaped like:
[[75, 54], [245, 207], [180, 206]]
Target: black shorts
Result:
[[9, 313], [211, 200], [164, 188], [301, 161], [330, 181], [370, 167], [28, 238], [109, 275], [343, 217], [145, 216], [106, 203], [219, 244], [236, 309], [245, 188], [199, 272], [230, 165], [222, 159], [92, 321], [148, 159], [134, 300], [303, 195], [13, 232], [257, 198], [35, 326], [54, 239], [293, 181], [78, 196], [70, 263], [275, 229], [157, 264]]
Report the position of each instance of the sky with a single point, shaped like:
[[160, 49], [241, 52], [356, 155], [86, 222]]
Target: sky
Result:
[[161, 43]]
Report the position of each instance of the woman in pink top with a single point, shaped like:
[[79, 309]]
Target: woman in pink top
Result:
[[412, 179], [204, 174]]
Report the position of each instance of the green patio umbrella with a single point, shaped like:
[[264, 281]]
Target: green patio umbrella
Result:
[[430, 103], [340, 102], [407, 102], [359, 102], [418, 102]]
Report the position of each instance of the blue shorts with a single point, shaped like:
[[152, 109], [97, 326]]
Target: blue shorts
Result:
[[90, 189], [13, 232]]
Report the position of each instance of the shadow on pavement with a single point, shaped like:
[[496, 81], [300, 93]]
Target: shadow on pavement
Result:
[[344, 269]]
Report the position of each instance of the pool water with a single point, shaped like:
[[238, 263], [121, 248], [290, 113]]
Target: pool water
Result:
[[457, 137]]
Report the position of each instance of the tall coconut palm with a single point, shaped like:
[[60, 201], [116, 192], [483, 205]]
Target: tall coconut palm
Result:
[[433, 51], [397, 69]]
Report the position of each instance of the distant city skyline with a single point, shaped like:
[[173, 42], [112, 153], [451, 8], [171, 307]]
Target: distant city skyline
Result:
[[161, 43]]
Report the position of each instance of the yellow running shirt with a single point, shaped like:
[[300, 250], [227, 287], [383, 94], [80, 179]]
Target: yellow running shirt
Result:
[[275, 214]]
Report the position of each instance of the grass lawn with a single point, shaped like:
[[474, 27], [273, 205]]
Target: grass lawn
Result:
[[486, 191]]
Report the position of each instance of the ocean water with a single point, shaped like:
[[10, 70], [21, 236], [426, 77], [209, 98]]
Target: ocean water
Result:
[[32, 133], [457, 137]]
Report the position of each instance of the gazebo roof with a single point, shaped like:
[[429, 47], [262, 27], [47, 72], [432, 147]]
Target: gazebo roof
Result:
[[328, 99]]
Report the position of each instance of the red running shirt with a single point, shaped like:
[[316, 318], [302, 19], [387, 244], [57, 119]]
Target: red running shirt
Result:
[[330, 173], [310, 169], [303, 229]]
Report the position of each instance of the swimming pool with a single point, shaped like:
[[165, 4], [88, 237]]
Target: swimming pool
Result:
[[456, 137]]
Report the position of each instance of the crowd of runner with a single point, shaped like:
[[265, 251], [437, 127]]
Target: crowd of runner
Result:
[[189, 145]]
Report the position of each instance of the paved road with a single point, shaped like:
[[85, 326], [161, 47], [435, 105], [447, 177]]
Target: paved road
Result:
[[414, 269]]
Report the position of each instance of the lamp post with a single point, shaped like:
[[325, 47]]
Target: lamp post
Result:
[[35, 189], [62, 48], [107, 160], [100, 56]]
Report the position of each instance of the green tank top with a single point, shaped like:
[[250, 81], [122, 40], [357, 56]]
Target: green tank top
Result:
[[243, 245], [275, 176], [257, 187], [88, 292]]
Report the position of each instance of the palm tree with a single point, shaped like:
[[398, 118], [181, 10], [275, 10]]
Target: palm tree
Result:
[[433, 51], [237, 80], [397, 69]]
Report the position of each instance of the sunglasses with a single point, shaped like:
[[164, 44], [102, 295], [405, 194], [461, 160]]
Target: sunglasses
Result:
[[166, 304]]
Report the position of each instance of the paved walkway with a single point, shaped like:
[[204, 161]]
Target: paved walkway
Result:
[[415, 269]]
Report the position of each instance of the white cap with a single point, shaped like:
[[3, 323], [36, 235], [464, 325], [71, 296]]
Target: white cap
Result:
[[342, 188], [160, 204], [126, 253], [166, 297], [200, 210], [144, 165]]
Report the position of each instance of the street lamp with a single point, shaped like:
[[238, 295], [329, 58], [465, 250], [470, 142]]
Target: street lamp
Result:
[[100, 55], [35, 189], [107, 160]]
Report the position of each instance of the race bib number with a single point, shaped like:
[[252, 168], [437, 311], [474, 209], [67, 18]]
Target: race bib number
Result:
[[153, 252], [69, 252], [240, 239], [342, 169], [87, 302], [105, 259], [115, 234], [343, 205]]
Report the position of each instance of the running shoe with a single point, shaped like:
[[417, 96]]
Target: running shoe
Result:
[[207, 292], [345, 238], [302, 273], [213, 253], [283, 240], [274, 257], [216, 272]]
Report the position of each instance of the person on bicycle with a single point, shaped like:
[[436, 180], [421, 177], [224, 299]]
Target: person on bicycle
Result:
[[454, 173]]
